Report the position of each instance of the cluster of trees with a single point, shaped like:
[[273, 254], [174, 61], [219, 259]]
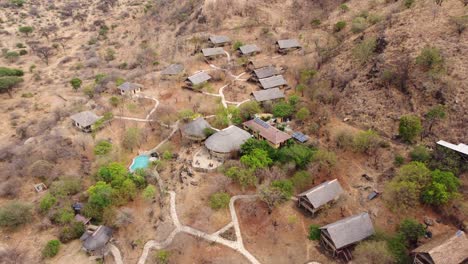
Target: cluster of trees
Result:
[[9, 79], [414, 182]]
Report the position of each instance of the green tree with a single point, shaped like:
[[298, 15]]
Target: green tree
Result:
[[299, 154], [285, 187], [302, 114], [8, 83], [402, 195], [434, 115], [420, 153], [149, 192], [66, 186], [219, 200], [294, 100], [102, 148], [257, 159], [114, 173], [51, 249], [76, 83], [71, 232], [410, 127], [282, 110], [252, 144], [100, 195], [10, 72], [314, 232], [131, 138], [277, 192], [47, 202], [26, 30], [411, 230], [114, 101], [244, 177], [14, 214], [443, 188], [340, 25], [249, 109], [397, 246], [416, 172], [373, 252]]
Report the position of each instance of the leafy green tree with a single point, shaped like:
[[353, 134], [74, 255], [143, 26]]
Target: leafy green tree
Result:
[[420, 153], [314, 232], [299, 154], [26, 30], [66, 186], [411, 230], [249, 109], [100, 195], [402, 195], [114, 101], [373, 252], [51, 249], [71, 232], [282, 110], [443, 188], [245, 177], [63, 216], [8, 83], [252, 144], [448, 160], [220, 200], [76, 83], [14, 214], [114, 173], [277, 192], [257, 159], [102, 148], [294, 100], [10, 72], [149, 192], [435, 114], [416, 172], [410, 127], [302, 114], [47, 202], [285, 187]]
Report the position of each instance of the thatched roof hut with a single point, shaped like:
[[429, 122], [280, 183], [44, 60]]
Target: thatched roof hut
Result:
[[227, 140], [196, 129]]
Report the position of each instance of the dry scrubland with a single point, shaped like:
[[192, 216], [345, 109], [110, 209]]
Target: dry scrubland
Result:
[[367, 73]]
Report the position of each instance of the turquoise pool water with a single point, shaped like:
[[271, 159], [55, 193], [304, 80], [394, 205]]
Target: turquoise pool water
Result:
[[140, 162]]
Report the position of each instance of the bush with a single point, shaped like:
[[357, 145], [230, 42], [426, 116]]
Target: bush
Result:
[[410, 127], [301, 179], [399, 160], [257, 159], [299, 154], [103, 147], [366, 141], [314, 232], [340, 25], [344, 7], [12, 56], [282, 110], [10, 72], [325, 159], [65, 186], [71, 232], [409, 3], [285, 187], [365, 50], [373, 252], [430, 58], [18, 3], [220, 200], [411, 230], [47, 202], [374, 19], [14, 214], [76, 83], [302, 114], [162, 257], [344, 139], [63, 216], [420, 153], [358, 24], [51, 249], [443, 188], [397, 246], [245, 177], [23, 52], [114, 101], [26, 30], [149, 192], [237, 45]]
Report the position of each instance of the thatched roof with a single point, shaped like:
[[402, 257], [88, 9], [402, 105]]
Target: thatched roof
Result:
[[273, 82], [86, 118], [446, 249], [98, 239], [267, 95], [350, 230], [461, 148], [288, 43], [323, 193], [268, 132], [248, 49], [173, 69], [199, 77], [128, 86], [196, 128], [219, 39], [209, 52], [265, 72], [227, 140]]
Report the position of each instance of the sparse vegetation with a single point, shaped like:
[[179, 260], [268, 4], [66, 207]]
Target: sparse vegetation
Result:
[[219, 200], [51, 249], [14, 214]]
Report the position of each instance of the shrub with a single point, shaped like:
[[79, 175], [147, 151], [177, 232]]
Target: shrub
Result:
[[285, 187], [374, 19], [12, 56], [344, 7], [65, 186], [71, 232], [220, 200], [443, 188], [410, 127], [301, 179], [103, 147], [430, 58], [373, 252], [411, 230], [257, 159], [10, 72], [14, 214], [51, 249], [63, 216], [23, 52], [366, 141], [237, 45], [26, 30], [461, 23], [47, 202], [162, 257], [399, 160], [325, 159], [314, 232], [358, 24], [420, 153], [282, 110], [408, 3], [302, 114], [344, 139], [114, 101], [76, 83], [18, 3], [397, 246], [340, 25], [364, 50], [315, 22], [149, 192], [299, 154], [245, 177]]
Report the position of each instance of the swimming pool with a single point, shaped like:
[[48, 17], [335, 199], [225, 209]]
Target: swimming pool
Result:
[[140, 162]]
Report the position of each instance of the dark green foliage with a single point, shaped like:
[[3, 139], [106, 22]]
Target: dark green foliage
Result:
[[256, 159], [398, 247], [299, 154], [10, 72], [114, 173], [411, 230], [23, 52], [102, 148], [448, 160], [314, 232], [26, 30], [283, 110], [410, 127], [420, 153], [409, 3], [51, 249], [251, 144], [443, 188], [285, 187], [220, 200], [76, 83], [399, 160], [71, 232], [340, 25], [249, 109], [245, 177], [100, 194], [9, 82], [14, 214], [47, 202], [63, 216]]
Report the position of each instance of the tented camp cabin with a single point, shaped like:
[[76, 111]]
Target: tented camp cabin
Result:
[[196, 80], [249, 50], [264, 131], [338, 238], [254, 64], [273, 82], [173, 70], [95, 243], [196, 129], [461, 149], [263, 73], [268, 95], [445, 249], [227, 141], [129, 88], [211, 53], [219, 41], [85, 120], [286, 45], [315, 198]]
